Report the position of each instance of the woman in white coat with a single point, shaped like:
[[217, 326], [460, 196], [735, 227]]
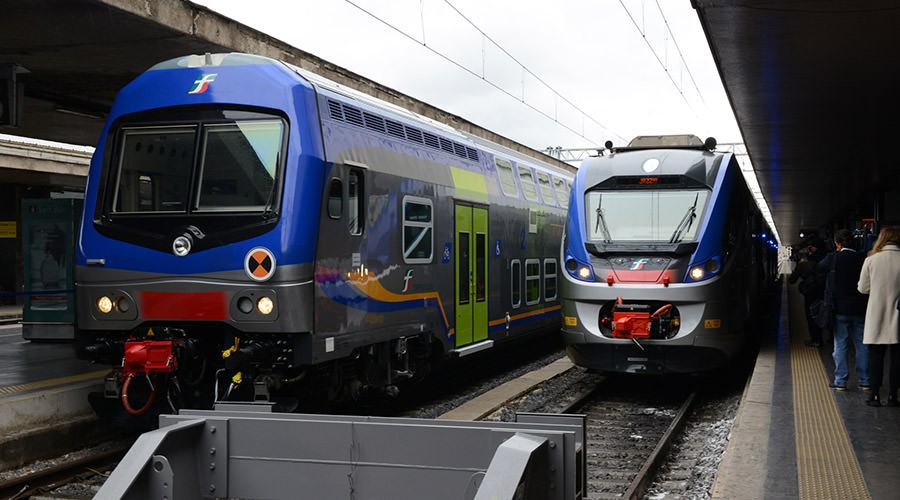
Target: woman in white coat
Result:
[[880, 278]]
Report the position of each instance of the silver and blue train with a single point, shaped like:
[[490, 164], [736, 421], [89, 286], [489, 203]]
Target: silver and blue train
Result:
[[253, 231], [665, 253]]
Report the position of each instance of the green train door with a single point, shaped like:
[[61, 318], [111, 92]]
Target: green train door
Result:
[[471, 275]]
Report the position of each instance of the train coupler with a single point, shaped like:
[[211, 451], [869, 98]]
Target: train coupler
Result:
[[149, 356], [631, 321]]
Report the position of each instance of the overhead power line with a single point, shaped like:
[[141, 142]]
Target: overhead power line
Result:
[[659, 59], [486, 80]]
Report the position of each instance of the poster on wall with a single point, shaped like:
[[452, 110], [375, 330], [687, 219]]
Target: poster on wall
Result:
[[48, 240]]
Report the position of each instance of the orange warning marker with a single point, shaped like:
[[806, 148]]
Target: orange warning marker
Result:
[[259, 264]]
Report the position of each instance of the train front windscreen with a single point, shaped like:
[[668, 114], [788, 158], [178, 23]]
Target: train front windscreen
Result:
[[667, 216]]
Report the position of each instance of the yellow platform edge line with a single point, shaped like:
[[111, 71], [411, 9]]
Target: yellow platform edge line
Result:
[[53, 382], [827, 466]]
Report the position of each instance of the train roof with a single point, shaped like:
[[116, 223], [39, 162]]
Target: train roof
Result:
[[332, 89], [336, 89], [679, 141]]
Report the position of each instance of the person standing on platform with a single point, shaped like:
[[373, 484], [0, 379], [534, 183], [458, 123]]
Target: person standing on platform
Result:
[[880, 278], [811, 286], [849, 310]]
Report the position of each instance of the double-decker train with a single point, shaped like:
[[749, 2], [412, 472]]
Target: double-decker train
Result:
[[665, 253], [253, 231]]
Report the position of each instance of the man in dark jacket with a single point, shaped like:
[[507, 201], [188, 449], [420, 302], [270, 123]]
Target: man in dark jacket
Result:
[[811, 286], [849, 310]]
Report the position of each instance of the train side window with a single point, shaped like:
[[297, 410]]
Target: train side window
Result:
[[480, 267], [546, 189], [355, 205], [532, 281], [507, 177], [562, 192], [335, 198], [418, 230], [463, 268], [515, 274], [527, 180], [549, 280]]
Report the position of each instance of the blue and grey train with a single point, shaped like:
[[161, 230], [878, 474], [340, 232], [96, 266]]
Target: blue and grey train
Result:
[[253, 231], [665, 252]]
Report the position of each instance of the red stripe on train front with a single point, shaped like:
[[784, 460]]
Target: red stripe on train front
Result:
[[184, 305]]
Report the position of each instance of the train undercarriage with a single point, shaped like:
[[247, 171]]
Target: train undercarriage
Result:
[[166, 369]]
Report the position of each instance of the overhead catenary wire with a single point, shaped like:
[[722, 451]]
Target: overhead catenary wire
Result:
[[665, 67], [484, 78]]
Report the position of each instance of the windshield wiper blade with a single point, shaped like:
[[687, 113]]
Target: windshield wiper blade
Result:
[[686, 222], [601, 222]]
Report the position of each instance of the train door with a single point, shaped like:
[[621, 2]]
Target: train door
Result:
[[471, 274]]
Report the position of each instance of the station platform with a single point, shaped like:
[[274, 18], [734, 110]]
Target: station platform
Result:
[[43, 398], [10, 314], [795, 438]]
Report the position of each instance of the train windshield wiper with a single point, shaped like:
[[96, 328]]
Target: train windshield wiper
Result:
[[601, 222], [686, 222]]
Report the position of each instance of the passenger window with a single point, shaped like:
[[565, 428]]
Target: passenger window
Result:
[[562, 193], [335, 198], [532, 281], [546, 190], [463, 277], [515, 274], [549, 280], [527, 180], [418, 232], [355, 205], [507, 177], [480, 267]]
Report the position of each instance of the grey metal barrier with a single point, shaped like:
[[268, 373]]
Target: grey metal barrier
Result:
[[245, 451]]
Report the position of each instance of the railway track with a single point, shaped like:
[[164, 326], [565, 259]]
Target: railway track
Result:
[[78, 471], [630, 426], [628, 438]]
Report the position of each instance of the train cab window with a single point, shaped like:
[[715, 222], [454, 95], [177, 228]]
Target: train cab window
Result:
[[546, 189], [418, 230], [154, 173], [549, 280], [656, 215], [562, 192], [515, 275], [355, 206], [238, 165], [335, 198], [532, 281], [507, 177], [527, 180]]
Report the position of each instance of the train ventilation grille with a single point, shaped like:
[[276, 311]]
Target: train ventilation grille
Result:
[[364, 119]]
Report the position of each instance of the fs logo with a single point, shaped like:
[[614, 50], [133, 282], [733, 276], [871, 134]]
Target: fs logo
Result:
[[407, 280], [639, 264], [201, 84]]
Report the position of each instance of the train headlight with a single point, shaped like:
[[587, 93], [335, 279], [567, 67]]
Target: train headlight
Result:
[[705, 270], [265, 305], [584, 272], [104, 304], [697, 273], [123, 304], [245, 305]]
